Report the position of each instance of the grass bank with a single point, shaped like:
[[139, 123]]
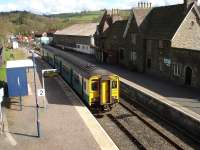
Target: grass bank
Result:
[[9, 54]]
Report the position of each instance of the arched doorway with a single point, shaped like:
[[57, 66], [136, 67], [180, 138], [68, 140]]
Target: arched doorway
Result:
[[188, 76]]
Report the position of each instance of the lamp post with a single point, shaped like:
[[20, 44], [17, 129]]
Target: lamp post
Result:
[[36, 99]]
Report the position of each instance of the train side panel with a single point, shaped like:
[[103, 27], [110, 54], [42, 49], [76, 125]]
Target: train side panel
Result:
[[50, 59], [77, 82], [57, 63], [66, 73], [85, 96]]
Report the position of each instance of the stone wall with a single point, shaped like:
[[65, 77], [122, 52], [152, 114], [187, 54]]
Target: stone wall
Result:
[[162, 108]]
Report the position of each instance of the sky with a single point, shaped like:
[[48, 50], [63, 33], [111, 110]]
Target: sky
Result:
[[64, 6]]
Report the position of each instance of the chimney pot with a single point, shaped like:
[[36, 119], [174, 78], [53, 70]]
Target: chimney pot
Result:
[[144, 5], [138, 4], [141, 4], [147, 5], [150, 5]]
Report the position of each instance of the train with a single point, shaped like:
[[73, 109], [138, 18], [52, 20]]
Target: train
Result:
[[98, 88]]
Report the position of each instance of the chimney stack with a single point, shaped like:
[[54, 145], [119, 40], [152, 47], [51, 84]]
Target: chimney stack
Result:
[[144, 5], [141, 4]]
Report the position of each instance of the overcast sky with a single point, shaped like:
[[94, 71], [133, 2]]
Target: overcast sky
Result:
[[63, 6]]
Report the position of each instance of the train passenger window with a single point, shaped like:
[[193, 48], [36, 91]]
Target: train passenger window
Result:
[[95, 86], [114, 84]]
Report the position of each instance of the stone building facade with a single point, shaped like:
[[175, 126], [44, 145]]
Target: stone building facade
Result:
[[156, 43]]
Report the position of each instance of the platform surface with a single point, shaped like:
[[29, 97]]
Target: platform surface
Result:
[[66, 124]]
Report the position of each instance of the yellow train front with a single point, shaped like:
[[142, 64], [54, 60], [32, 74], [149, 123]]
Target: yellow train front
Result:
[[103, 91], [98, 88]]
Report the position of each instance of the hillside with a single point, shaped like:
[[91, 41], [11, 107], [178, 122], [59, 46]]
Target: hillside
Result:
[[25, 22], [85, 16]]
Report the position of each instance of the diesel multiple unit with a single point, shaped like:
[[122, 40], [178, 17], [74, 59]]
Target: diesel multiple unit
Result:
[[98, 88]]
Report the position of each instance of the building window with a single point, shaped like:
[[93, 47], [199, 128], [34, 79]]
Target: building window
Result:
[[160, 44], [177, 69], [133, 56], [149, 63], [78, 46], [133, 38], [121, 54], [149, 43]]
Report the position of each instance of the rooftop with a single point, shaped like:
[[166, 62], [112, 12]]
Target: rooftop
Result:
[[85, 29]]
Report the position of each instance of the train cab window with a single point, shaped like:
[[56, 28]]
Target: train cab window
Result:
[[114, 84], [95, 86]]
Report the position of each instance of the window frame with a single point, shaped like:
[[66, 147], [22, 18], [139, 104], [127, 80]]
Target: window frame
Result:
[[96, 83], [177, 69], [115, 85]]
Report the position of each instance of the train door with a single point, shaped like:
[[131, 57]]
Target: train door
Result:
[[105, 92]]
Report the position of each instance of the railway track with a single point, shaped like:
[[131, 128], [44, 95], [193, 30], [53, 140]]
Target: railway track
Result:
[[138, 130], [128, 107], [182, 132]]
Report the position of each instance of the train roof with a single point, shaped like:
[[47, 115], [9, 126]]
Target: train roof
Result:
[[82, 66]]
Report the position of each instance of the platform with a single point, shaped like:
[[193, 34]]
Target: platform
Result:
[[66, 124]]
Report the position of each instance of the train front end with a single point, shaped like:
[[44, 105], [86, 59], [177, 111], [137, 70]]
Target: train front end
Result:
[[104, 91]]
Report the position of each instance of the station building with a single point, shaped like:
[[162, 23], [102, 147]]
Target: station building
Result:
[[162, 41], [77, 37]]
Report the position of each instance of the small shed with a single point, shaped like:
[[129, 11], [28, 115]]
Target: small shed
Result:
[[17, 77]]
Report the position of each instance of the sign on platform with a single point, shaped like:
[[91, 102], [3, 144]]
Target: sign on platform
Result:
[[41, 92]]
